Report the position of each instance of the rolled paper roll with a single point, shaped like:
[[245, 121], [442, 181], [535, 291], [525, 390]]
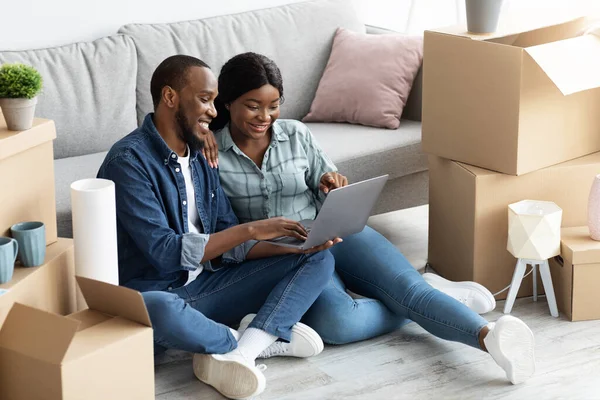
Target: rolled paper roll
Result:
[[95, 231]]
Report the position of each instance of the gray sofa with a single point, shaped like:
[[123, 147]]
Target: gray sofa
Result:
[[99, 91]]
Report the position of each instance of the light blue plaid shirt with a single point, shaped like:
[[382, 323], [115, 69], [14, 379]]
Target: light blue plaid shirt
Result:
[[287, 184]]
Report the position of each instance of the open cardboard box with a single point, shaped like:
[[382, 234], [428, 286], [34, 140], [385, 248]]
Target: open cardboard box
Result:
[[104, 352], [516, 101], [49, 287]]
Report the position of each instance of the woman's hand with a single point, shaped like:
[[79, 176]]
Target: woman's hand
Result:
[[210, 151], [324, 246], [332, 180], [267, 249], [272, 228]]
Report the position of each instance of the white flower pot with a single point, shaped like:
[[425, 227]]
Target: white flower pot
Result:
[[483, 15], [18, 113]]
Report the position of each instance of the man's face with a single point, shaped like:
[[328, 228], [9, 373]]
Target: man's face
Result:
[[196, 107]]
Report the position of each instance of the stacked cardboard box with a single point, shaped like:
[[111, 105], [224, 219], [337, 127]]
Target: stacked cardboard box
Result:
[[506, 117], [27, 194], [576, 275], [27, 177], [49, 287], [104, 352]]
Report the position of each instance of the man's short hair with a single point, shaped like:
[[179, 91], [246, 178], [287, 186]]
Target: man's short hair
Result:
[[172, 72]]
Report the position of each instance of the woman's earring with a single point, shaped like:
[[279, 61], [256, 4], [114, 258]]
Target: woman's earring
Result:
[[227, 107]]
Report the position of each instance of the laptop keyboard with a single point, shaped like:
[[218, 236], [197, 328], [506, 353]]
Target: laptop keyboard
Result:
[[287, 240], [291, 240]]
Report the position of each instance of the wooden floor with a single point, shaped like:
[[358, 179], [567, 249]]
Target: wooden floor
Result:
[[411, 363]]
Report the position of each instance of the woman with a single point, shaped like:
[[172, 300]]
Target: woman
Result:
[[270, 167]]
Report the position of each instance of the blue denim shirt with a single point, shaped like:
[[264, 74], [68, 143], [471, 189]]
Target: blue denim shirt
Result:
[[156, 249]]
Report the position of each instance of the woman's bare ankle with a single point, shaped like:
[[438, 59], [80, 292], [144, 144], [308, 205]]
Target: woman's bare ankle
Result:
[[482, 334]]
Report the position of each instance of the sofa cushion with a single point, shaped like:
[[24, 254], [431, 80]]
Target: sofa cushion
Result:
[[298, 37], [89, 91], [366, 152], [412, 109], [370, 89], [362, 152], [67, 171]]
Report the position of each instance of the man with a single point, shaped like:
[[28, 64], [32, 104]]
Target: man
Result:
[[180, 243]]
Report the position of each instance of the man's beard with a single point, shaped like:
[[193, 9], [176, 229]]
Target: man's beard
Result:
[[187, 133]]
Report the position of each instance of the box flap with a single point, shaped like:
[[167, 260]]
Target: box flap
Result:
[[513, 24], [13, 142], [572, 64], [592, 159], [88, 318], [476, 171], [37, 334], [114, 300], [577, 247], [548, 34], [102, 336]]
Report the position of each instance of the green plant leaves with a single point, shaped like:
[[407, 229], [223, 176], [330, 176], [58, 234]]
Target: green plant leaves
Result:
[[19, 81]]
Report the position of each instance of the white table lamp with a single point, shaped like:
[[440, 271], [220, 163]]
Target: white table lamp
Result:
[[533, 238]]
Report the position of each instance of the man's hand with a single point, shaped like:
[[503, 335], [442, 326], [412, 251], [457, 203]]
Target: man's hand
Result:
[[332, 180], [210, 151], [276, 227]]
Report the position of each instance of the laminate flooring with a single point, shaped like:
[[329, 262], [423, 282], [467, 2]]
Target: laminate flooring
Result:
[[412, 364]]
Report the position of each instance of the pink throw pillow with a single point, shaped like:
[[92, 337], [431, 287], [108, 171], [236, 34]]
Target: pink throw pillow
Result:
[[367, 79]]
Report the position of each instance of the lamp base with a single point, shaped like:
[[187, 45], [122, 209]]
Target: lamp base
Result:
[[544, 269]]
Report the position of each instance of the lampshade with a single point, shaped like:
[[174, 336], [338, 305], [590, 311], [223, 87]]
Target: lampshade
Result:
[[534, 229]]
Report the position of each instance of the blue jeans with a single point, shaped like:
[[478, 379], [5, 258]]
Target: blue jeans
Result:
[[278, 289], [369, 265]]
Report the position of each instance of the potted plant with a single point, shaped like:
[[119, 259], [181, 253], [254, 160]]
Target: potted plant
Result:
[[19, 86]]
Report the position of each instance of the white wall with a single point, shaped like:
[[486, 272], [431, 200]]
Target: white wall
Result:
[[29, 24], [414, 16]]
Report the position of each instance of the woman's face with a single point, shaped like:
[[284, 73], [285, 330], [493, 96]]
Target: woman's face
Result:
[[253, 113]]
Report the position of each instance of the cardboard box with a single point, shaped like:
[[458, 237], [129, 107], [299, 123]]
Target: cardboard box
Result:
[[514, 102], [468, 215], [576, 275], [27, 177], [104, 352], [49, 287]]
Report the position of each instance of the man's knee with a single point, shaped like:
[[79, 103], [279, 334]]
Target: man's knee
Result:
[[162, 305]]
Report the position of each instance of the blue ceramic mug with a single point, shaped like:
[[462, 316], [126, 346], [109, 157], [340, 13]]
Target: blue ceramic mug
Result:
[[8, 255], [32, 242]]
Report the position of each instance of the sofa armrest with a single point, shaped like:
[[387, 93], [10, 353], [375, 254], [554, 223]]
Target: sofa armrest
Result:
[[413, 107]]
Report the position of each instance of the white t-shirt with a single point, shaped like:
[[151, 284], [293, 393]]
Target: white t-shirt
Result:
[[193, 217]]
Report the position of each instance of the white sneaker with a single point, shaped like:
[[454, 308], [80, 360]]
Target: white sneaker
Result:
[[471, 294], [304, 342], [231, 374], [511, 344]]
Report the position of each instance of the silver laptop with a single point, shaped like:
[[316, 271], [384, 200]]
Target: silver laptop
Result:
[[345, 211]]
